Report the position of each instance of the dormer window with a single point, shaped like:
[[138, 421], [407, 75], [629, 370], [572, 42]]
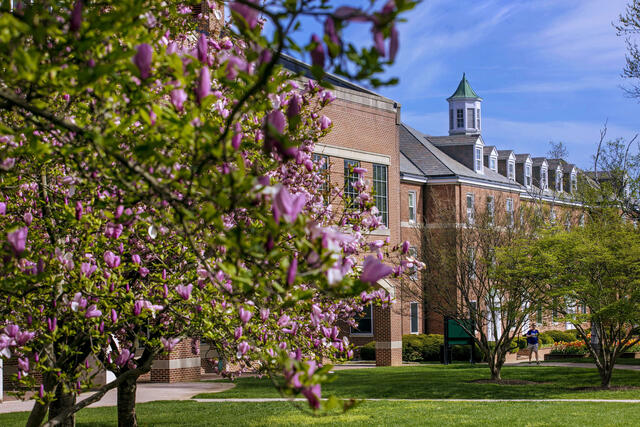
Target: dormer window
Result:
[[574, 182], [544, 181], [511, 171], [479, 159], [493, 163], [558, 180], [527, 175]]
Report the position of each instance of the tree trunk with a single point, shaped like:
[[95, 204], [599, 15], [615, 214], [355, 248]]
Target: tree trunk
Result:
[[605, 375], [62, 402], [127, 403], [496, 360], [37, 414]]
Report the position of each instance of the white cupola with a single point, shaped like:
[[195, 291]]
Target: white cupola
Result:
[[464, 110]]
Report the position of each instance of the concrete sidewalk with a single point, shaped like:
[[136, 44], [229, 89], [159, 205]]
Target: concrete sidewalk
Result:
[[147, 392]]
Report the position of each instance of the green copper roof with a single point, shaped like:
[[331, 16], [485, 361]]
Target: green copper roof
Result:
[[464, 90]]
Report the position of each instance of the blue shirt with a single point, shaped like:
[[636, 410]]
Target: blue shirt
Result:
[[532, 336]]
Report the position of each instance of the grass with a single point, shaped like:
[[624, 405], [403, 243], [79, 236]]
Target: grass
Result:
[[456, 381], [367, 414], [620, 361]]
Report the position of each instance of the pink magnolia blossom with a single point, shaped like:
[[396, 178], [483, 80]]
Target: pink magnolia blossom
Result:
[[169, 343], [12, 330], [360, 171], [79, 210], [112, 260], [143, 271], [264, 314], [394, 43], [317, 53], [237, 333], [405, 246], [18, 240], [28, 218], [3, 208], [292, 271], [87, 269], [23, 364], [313, 395], [378, 40], [245, 315], [136, 259], [248, 13], [184, 291], [92, 312], [287, 205], [114, 315], [78, 303], [142, 60], [124, 357], [243, 347], [374, 270], [295, 105], [330, 31], [113, 231], [204, 84], [202, 47], [23, 337], [119, 211], [76, 16], [325, 122], [178, 97]]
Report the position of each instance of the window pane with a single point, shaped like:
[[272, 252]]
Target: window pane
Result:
[[414, 317], [350, 178], [323, 169], [380, 191], [365, 323], [412, 206], [460, 118]]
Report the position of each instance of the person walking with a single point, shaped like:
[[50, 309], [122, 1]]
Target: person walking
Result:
[[532, 342]]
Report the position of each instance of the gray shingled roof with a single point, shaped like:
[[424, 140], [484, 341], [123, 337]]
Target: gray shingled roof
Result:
[[521, 158], [538, 161], [553, 163], [453, 140], [407, 166], [488, 149], [504, 154], [433, 162]]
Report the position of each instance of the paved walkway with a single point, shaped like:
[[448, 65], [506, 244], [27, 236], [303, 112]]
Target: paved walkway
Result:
[[147, 392]]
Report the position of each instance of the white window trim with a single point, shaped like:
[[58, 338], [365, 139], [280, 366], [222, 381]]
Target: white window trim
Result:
[[544, 177], [511, 166], [415, 210], [478, 164], [493, 159], [528, 179], [471, 214], [417, 315]]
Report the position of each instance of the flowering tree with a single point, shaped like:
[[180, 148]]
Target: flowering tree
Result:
[[157, 184]]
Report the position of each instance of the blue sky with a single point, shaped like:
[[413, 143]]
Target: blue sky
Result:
[[547, 71]]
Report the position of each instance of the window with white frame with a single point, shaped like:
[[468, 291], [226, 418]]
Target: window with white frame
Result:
[[493, 163], [471, 118], [471, 210], [490, 209], [574, 182], [350, 179], [459, 118], [364, 324], [558, 180], [544, 182], [479, 159], [323, 170], [380, 191], [413, 271], [509, 209], [414, 317], [412, 206], [511, 169], [478, 119], [527, 174]]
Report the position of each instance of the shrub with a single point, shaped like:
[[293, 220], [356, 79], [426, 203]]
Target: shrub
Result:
[[368, 351], [419, 348], [561, 336], [545, 339]]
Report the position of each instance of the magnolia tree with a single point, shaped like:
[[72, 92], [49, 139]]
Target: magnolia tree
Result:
[[158, 184]]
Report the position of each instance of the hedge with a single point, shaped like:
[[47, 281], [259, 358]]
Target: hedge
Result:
[[422, 348]]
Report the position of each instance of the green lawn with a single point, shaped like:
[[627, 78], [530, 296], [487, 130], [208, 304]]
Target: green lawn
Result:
[[367, 414], [620, 361], [456, 381]]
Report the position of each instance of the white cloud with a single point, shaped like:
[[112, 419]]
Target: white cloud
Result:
[[581, 35]]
